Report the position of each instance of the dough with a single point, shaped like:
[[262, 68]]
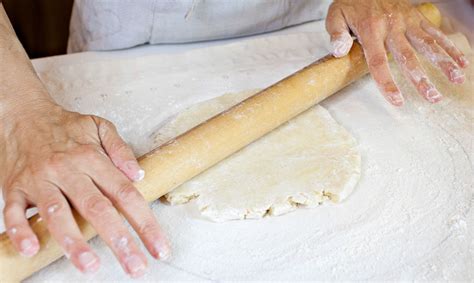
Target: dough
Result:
[[305, 162]]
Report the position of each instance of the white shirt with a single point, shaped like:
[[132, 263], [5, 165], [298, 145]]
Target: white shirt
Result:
[[117, 24]]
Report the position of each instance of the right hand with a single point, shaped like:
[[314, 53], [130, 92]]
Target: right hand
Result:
[[398, 27], [52, 158]]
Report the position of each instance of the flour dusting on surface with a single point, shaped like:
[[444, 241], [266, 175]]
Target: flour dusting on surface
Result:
[[410, 217]]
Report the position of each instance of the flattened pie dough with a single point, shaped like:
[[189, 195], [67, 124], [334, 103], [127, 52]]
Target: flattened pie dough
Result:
[[306, 161]]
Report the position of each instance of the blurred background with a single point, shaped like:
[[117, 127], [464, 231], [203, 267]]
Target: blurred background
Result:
[[41, 25]]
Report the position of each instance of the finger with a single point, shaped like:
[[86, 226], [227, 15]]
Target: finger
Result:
[[446, 44], [405, 57], [100, 213], [54, 209], [133, 206], [341, 40], [427, 46], [118, 151], [377, 62], [18, 229]]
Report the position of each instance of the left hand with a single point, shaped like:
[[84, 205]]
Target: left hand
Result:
[[399, 27], [56, 160]]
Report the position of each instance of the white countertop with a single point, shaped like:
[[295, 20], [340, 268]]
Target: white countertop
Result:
[[407, 219]]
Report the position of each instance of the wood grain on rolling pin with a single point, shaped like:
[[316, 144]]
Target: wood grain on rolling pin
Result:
[[203, 146]]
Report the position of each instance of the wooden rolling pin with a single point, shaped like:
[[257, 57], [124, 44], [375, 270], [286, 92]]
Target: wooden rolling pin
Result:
[[205, 145]]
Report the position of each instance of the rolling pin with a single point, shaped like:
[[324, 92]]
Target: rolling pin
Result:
[[191, 153]]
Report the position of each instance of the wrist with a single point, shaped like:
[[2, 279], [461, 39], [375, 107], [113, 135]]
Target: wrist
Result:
[[27, 106]]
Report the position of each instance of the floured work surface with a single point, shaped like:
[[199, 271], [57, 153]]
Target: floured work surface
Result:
[[410, 216]]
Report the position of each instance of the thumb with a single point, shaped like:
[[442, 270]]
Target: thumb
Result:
[[341, 40], [118, 150]]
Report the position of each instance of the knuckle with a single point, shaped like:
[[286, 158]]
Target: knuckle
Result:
[[96, 205], [108, 124], [88, 118], [147, 227], [56, 161], [126, 192], [52, 206], [119, 146], [14, 185], [88, 152], [377, 60], [428, 40], [105, 126], [397, 17], [364, 24], [9, 209], [373, 22], [408, 54], [376, 20]]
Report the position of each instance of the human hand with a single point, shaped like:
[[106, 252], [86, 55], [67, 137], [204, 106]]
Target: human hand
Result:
[[55, 159], [398, 26]]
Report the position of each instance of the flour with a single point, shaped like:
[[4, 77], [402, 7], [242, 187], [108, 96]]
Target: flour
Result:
[[410, 217]]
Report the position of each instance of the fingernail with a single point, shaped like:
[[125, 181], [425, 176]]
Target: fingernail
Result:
[[463, 61], [396, 100], [433, 95], [393, 94], [162, 250], [457, 75], [341, 45], [134, 169], [140, 175], [135, 266], [28, 247], [89, 262]]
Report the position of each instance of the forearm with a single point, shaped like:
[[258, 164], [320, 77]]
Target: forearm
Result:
[[19, 84]]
